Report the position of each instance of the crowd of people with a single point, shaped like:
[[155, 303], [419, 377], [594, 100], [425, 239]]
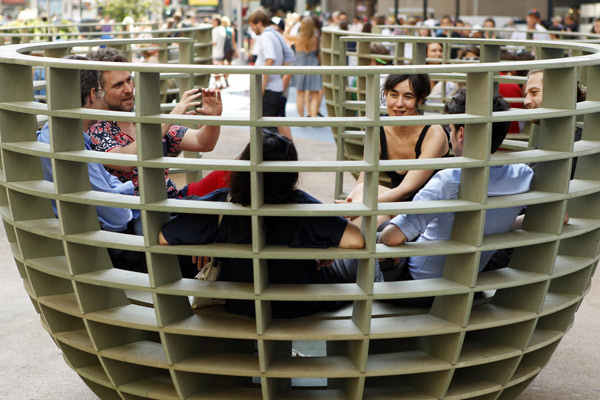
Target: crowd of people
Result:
[[402, 95]]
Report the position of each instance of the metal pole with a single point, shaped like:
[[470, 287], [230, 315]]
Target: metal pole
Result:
[[457, 10], [396, 9], [550, 7], [240, 32], [424, 10], [49, 19]]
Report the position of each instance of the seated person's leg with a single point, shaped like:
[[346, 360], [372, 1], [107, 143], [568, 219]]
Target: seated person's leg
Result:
[[128, 260], [188, 268], [395, 269], [346, 270], [500, 259]]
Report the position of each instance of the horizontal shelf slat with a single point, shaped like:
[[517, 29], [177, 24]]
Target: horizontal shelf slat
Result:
[[48, 227], [411, 326], [108, 239], [117, 278], [507, 277], [557, 301], [464, 388], [475, 353], [156, 387], [582, 187], [78, 339], [217, 324], [542, 338], [565, 265], [490, 315], [97, 198], [130, 316], [296, 329], [523, 373], [417, 288], [65, 303], [144, 352], [312, 367], [212, 289], [315, 292], [221, 364], [56, 266], [40, 188], [313, 394], [95, 374], [402, 363], [396, 392], [222, 393], [579, 226]]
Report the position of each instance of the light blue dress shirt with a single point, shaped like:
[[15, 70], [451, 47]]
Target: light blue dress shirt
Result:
[[272, 46], [111, 218], [504, 180]]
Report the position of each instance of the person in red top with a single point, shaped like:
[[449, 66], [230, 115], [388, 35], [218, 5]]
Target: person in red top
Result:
[[510, 90], [514, 90]]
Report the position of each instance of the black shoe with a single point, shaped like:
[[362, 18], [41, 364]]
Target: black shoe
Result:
[[319, 115]]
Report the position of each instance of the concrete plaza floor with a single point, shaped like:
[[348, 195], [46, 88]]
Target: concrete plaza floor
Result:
[[32, 366]]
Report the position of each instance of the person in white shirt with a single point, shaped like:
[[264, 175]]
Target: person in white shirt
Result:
[[272, 50], [533, 23], [218, 46]]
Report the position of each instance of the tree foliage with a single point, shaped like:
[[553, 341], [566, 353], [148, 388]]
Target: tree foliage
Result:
[[119, 9]]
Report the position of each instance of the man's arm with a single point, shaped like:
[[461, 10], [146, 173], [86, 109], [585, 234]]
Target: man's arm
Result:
[[205, 138], [392, 236], [286, 79], [111, 218], [402, 228], [186, 106], [102, 136], [265, 77]]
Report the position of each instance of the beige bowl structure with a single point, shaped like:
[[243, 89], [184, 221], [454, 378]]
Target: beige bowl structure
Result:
[[133, 336]]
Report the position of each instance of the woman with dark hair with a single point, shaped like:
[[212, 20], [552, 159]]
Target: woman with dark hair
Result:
[[403, 95], [301, 232]]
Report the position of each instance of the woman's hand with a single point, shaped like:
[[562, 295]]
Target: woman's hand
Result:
[[323, 263], [348, 200], [200, 261]]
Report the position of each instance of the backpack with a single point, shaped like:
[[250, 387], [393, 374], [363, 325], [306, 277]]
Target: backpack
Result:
[[227, 47]]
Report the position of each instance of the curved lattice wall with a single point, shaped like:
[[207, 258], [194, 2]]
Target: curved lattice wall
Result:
[[486, 336]]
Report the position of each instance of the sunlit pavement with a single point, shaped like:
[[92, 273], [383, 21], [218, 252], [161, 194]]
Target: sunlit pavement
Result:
[[236, 102]]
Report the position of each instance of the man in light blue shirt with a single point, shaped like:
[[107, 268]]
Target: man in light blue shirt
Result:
[[271, 50], [503, 180], [444, 185], [112, 219]]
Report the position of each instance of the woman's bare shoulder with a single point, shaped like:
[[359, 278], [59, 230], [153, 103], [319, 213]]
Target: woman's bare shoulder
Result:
[[437, 137]]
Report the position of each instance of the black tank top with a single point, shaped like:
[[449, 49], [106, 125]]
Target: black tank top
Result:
[[394, 176]]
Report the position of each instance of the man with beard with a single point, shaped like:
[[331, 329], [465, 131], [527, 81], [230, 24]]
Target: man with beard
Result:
[[533, 99], [117, 92]]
